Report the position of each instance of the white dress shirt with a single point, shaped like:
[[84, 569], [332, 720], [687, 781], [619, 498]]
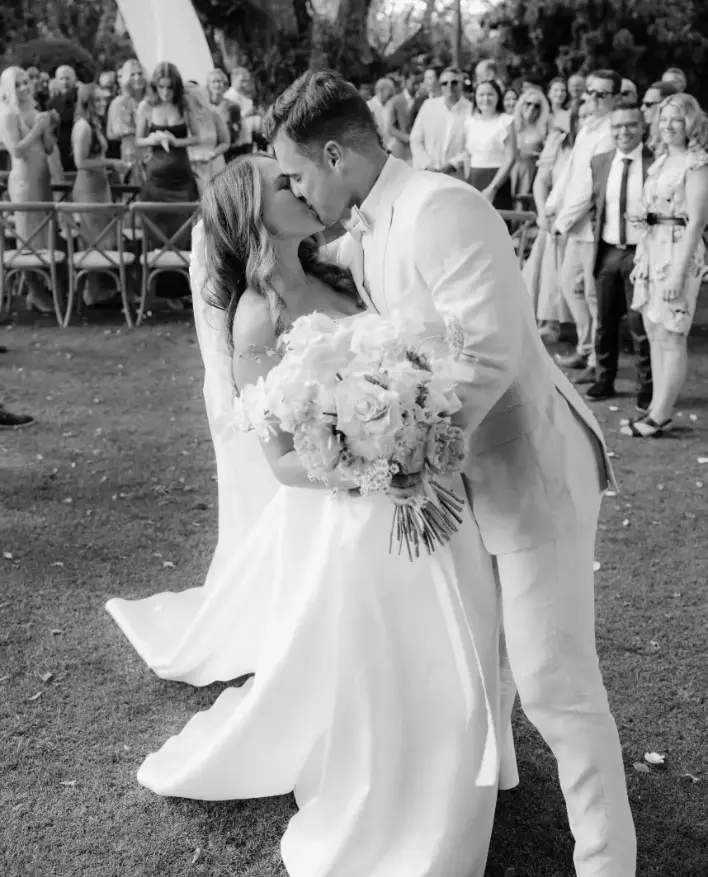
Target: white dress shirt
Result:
[[571, 195], [438, 134], [635, 189]]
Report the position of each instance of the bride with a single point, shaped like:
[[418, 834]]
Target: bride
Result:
[[376, 691]]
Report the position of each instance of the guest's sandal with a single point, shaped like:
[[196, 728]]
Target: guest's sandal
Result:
[[645, 427]]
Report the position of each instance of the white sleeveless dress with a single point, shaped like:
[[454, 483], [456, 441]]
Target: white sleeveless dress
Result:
[[376, 689]]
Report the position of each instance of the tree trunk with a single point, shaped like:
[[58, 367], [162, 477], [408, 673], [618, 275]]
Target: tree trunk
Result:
[[457, 43], [303, 18], [352, 24]]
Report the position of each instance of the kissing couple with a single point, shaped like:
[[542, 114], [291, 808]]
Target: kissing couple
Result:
[[380, 691]]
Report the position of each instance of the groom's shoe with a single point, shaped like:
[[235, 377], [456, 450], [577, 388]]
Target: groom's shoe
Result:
[[575, 361]]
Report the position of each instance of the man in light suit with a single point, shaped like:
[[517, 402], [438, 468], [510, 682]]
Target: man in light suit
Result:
[[428, 243], [617, 192]]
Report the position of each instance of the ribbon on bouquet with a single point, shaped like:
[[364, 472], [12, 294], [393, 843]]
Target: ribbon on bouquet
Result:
[[168, 30]]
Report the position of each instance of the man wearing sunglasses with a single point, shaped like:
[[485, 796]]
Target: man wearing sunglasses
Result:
[[653, 96], [568, 214], [438, 133]]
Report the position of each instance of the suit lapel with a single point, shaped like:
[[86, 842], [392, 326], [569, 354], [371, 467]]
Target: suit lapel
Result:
[[351, 255], [647, 160]]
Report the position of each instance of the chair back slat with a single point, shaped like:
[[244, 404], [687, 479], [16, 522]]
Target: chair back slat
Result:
[[157, 243], [80, 235], [27, 245]]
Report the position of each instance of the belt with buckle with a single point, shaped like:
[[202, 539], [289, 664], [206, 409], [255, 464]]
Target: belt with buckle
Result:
[[657, 219]]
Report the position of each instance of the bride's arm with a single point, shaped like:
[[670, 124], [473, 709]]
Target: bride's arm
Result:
[[254, 357]]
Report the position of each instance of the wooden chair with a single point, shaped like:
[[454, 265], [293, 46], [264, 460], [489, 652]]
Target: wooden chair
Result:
[[20, 256], [160, 253], [103, 253], [520, 224]]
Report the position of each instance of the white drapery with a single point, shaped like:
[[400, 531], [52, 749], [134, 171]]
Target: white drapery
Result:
[[168, 30]]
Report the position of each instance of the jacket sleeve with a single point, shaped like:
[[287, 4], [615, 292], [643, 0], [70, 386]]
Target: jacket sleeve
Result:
[[464, 255]]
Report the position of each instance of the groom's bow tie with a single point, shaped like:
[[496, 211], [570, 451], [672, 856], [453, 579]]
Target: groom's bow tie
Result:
[[357, 225]]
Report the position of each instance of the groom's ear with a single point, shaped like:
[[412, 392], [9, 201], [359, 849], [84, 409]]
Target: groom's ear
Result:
[[333, 155]]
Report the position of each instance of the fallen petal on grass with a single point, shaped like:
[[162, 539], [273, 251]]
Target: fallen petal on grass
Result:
[[654, 758], [640, 767], [690, 777], [45, 677], [35, 696]]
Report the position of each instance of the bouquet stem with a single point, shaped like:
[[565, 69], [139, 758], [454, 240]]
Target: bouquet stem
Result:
[[429, 519]]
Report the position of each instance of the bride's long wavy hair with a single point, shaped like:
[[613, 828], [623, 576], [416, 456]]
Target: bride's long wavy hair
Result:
[[239, 249]]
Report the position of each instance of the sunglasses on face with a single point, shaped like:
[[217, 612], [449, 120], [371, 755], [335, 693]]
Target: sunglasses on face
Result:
[[450, 82], [533, 105], [647, 104], [597, 94]]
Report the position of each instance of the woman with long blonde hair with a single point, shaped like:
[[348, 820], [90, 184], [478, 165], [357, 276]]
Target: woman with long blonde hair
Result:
[[123, 111], [375, 693], [29, 139], [207, 157], [670, 258], [532, 117]]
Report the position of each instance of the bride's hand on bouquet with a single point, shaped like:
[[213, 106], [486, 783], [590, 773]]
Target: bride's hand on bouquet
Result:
[[403, 487]]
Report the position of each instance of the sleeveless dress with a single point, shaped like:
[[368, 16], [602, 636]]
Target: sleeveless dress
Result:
[[665, 195], [91, 186], [376, 688], [169, 177], [485, 143], [29, 180]]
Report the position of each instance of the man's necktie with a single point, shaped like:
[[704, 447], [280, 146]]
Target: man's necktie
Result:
[[623, 202]]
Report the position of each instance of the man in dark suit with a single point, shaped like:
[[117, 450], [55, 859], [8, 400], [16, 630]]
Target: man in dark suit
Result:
[[617, 186]]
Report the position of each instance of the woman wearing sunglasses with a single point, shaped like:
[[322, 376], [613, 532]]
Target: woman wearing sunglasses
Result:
[[531, 125]]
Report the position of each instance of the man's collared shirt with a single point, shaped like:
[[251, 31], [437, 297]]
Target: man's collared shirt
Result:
[[635, 189]]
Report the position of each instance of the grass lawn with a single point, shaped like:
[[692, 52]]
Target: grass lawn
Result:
[[117, 478]]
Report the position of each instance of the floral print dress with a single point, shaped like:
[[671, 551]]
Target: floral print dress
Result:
[[665, 195]]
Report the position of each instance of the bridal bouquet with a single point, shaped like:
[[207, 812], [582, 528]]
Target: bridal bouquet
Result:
[[363, 399]]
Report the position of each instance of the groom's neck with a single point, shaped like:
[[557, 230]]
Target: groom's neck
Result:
[[366, 172]]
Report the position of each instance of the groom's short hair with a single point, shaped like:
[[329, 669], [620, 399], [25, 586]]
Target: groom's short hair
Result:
[[322, 105]]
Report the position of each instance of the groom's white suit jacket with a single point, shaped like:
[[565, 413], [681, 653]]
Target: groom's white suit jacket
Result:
[[427, 243]]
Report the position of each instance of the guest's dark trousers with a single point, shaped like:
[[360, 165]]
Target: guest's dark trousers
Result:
[[614, 300]]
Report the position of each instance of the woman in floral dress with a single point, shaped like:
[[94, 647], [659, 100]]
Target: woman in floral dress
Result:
[[670, 257]]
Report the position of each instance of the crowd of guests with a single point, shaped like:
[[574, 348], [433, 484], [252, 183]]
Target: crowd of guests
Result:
[[159, 134], [619, 185]]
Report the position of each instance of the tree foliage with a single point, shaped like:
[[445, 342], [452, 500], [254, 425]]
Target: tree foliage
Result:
[[638, 38]]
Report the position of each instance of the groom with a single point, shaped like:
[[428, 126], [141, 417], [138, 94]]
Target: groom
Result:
[[426, 243]]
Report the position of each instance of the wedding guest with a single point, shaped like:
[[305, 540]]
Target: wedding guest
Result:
[[653, 96], [165, 126], [670, 254], [567, 207], [486, 71], [511, 99], [532, 118], [429, 87], [559, 100], [41, 91], [122, 116], [27, 135], [241, 93], [617, 186], [383, 92], [490, 149], [438, 133], [207, 156], [108, 80], [217, 82], [92, 185], [413, 81], [64, 103], [541, 270], [628, 92], [676, 77], [576, 87], [396, 123], [234, 127]]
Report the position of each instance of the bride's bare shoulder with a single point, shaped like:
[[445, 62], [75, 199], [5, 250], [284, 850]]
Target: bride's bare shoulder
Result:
[[253, 329]]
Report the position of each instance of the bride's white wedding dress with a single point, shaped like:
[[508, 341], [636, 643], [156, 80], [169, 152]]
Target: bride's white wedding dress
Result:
[[376, 688]]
